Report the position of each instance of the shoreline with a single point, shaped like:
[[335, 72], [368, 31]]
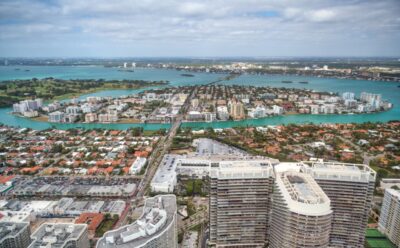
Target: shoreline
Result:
[[44, 119], [70, 96]]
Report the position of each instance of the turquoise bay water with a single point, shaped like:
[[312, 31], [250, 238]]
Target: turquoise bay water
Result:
[[390, 91]]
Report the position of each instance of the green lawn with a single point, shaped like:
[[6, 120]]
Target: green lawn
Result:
[[375, 239], [106, 225]]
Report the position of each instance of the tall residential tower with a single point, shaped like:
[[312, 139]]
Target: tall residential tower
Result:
[[240, 199], [301, 212], [350, 188], [389, 221]]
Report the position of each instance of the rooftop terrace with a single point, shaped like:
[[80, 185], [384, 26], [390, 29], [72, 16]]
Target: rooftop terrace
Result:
[[339, 171], [242, 169], [158, 214], [302, 194], [56, 235]]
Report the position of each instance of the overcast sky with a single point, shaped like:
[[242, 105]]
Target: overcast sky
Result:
[[136, 28]]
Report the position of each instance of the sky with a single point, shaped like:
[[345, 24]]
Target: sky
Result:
[[208, 28]]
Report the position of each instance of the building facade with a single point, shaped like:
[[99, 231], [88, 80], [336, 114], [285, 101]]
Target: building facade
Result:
[[389, 220], [240, 202], [14, 235], [301, 213], [350, 188]]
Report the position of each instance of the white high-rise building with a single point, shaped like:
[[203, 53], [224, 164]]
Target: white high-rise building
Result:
[[350, 188], [301, 212], [56, 116], [74, 110], [277, 110], [27, 105], [240, 203], [389, 220], [157, 227], [370, 97], [222, 113], [348, 96]]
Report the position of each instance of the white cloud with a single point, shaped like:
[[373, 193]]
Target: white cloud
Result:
[[322, 15], [253, 25]]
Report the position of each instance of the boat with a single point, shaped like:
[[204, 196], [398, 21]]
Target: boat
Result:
[[287, 81], [303, 82], [187, 75], [27, 70]]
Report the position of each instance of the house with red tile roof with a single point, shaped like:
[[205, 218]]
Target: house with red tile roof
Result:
[[93, 220]]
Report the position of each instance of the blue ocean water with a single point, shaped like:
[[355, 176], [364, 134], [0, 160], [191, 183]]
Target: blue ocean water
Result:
[[389, 90]]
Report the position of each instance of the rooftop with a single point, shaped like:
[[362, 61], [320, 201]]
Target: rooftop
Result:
[[92, 219], [394, 192], [56, 234], [158, 214], [167, 169], [339, 171], [242, 169], [302, 194], [206, 146], [11, 229]]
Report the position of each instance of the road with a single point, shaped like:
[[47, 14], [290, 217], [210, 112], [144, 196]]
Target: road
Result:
[[162, 148], [154, 160]]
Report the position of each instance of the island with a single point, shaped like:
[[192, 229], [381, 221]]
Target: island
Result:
[[12, 91], [201, 103]]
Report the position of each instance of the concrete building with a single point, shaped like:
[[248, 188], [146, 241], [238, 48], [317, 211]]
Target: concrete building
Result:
[[14, 235], [137, 165], [157, 227], [277, 110], [328, 108], [222, 113], [350, 189], [165, 178], [209, 116], [27, 105], [194, 116], [73, 110], [236, 110], [61, 235], [258, 112], [91, 117], [389, 220], [348, 96], [56, 116], [111, 116], [301, 212], [370, 97], [239, 215]]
